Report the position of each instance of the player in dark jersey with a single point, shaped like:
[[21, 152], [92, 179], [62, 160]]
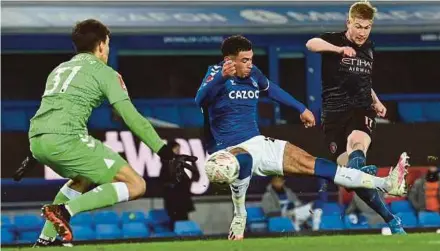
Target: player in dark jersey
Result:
[[228, 97], [349, 104]]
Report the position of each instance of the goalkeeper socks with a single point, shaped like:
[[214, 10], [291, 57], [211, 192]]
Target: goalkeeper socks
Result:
[[371, 197], [102, 196], [65, 194]]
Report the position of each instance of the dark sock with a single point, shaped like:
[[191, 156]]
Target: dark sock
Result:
[[356, 159], [371, 197], [373, 200]]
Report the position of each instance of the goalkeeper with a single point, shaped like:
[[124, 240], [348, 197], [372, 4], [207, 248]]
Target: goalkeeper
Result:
[[58, 135]]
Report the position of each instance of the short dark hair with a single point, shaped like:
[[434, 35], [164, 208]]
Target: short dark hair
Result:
[[87, 34], [234, 44]]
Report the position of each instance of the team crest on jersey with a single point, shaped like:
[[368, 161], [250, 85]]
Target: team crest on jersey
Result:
[[254, 82], [209, 79], [121, 82], [333, 147]]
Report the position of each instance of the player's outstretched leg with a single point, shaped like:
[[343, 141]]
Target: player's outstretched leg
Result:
[[71, 190], [357, 145], [298, 161], [127, 185]]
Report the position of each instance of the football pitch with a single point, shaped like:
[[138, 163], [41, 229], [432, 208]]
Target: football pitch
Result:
[[411, 242]]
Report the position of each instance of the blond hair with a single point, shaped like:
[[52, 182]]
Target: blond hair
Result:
[[362, 10]]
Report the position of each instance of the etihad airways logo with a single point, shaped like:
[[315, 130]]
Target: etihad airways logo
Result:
[[357, 65]]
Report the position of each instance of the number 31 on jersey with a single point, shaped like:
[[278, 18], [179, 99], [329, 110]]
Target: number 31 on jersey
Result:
[[57, 79]]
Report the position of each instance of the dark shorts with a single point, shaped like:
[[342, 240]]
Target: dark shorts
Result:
[[338, 126]]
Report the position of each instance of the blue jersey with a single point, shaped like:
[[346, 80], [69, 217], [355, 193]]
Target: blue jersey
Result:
[[230, 106]]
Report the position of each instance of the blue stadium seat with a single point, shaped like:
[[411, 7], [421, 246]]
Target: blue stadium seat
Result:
[[257, 227], [157, 228], [163, 234], [361, 224], [187, 228], [28, 236], [411, 112], [191, 116], [432, 111], [28, 222], [158, 217], [82, 219], [135, 230], [7, 237], [7, 223], [280, 224], [136, 216], [331, 222], [83, 233], [429, 219], [331, 208], [255, 214], [168, 113], [401, 206], [108, 231], [409, 219], [106, 217]]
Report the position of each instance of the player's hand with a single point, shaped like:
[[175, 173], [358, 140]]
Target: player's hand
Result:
[[26, 165], [180, 163], [228, 69], [307, 118], [380, 109], [347, 51], [236, 231], [177, 162]]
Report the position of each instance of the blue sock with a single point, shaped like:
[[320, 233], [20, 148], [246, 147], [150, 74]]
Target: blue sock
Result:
[[325, 168], [371, 197], [245, 161]]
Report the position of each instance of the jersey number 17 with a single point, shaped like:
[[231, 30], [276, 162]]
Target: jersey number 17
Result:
[[57, 79]]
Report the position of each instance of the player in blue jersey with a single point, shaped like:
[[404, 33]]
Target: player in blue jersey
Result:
[[228, 97]]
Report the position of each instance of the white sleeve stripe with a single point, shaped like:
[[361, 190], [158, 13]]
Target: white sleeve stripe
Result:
[[268, 84]]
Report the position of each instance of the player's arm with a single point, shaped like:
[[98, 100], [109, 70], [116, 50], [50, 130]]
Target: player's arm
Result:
[[276, 93], [380, 109], [212, 81], [139, 125], [374, 96], [317, 44], [113, 87], [326, 43]]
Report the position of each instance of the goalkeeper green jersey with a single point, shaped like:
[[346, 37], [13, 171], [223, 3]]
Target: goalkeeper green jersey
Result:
[[73, 90]]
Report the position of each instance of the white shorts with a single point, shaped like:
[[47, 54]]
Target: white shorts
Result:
[[267, 155]]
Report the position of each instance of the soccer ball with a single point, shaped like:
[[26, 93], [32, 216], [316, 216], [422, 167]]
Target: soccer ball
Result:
[[222, 167]]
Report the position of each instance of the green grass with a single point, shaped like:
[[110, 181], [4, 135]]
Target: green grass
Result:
[[411, 242]]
